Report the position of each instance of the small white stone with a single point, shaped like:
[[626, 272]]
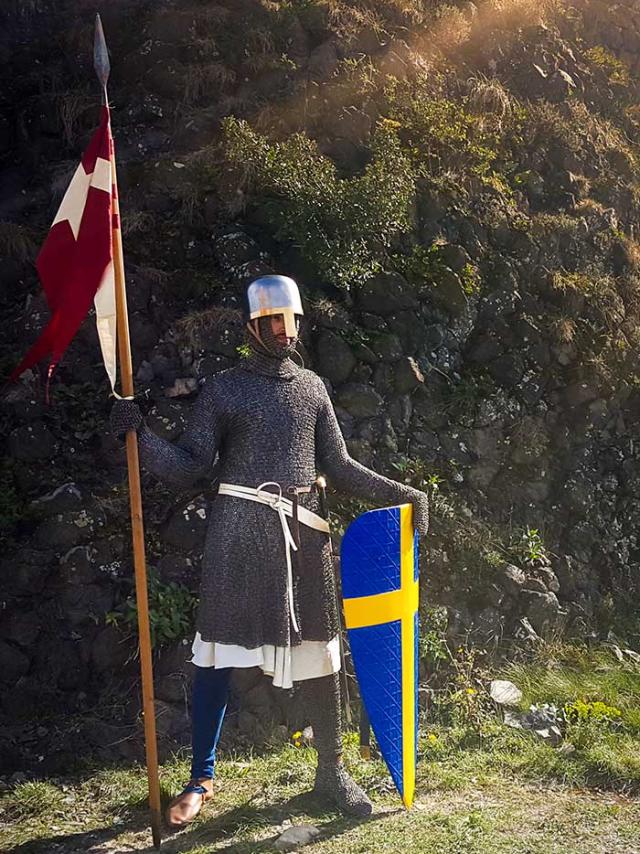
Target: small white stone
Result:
[[505, 693]]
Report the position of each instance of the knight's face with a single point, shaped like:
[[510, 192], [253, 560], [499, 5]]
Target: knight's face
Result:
[[278, 330]]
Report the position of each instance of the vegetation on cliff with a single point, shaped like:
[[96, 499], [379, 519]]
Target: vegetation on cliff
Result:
[[457, 187]]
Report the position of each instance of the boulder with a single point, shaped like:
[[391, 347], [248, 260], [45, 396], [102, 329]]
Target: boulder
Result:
[[447, 292], [144, 333], [361, 451], [386, 346], [407, 375], [13, 663], [111, 650], [188, 526], [535, 584], [490, 622], [505, 693], [507, 370], [27, 570], [543, 611], [79, 566], [378, 432], [410, 329], [177, 568], [453, 256], [69, 496], [400, 410], [548, 576], [234, 249], [345, 421], [85, 603], [384, 378], [364, 353], [386, 293], [172, 688], [433, 336], [360, 400], [335, 359], [32, 442], [323, 59], [21, 627], [66, 530]]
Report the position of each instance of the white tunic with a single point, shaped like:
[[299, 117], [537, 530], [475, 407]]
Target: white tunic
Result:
[[284, 664]]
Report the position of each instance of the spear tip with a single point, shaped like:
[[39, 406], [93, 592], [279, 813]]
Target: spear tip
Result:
[[100, 54]]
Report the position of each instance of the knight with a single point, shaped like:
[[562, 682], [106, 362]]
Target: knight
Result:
[[267, 589]]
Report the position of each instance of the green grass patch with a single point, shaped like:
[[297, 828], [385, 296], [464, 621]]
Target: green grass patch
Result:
[[481, 786]]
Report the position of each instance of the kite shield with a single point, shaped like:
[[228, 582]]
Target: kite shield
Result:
[[379, 565]]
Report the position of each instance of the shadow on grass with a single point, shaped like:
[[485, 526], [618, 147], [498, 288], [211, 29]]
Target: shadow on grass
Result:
[[228, 824], [210, 831], [90, 840]]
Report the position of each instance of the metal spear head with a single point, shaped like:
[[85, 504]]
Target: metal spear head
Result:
[[100, 54]]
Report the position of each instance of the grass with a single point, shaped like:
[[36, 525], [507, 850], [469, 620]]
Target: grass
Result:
[[481, 789], [462, 805]]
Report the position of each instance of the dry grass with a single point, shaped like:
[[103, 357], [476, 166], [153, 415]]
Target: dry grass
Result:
[[153, 274], [196, 329], [632, 252], [136, 222], [489, 100], [604, 136], [71, 107], [205, 79], [17, 242], [564, 330], [515, 14]]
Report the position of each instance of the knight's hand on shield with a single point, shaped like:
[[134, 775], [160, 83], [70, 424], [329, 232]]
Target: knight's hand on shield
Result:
[[420, 503]]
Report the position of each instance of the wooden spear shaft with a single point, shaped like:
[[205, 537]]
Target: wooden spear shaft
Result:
[[135, 493]]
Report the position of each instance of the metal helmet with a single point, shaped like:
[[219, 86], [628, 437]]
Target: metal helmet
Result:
[[270, 295]]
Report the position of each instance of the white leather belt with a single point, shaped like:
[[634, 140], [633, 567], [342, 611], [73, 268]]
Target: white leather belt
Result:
[[283, 507]]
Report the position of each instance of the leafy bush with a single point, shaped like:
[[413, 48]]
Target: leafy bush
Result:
[[171, 609], [439, 133], [588, 722], [528, 548], [446, 136], [616, 70], [426, 265], [583, 710], [433, 643], [342, 226]]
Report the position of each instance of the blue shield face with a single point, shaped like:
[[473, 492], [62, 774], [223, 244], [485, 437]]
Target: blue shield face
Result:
[[380, 588]]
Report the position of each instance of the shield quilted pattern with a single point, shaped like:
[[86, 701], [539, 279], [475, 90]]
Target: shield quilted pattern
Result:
[[380, 589]]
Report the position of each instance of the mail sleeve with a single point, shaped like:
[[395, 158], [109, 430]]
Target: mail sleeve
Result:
[[183, 462]]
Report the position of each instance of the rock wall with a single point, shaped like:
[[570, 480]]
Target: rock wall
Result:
[[483, 395]]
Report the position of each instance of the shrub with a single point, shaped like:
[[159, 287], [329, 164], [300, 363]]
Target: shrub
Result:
[[472, 136], [528, 548], [616, 70], [171, 609], [342, 226]]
